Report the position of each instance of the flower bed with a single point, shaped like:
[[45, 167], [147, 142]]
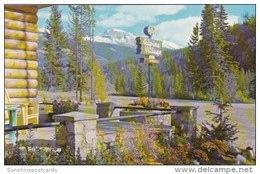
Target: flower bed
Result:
[[145, 102], [60, 107]]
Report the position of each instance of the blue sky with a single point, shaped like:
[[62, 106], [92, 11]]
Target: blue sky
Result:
[[172, 22]]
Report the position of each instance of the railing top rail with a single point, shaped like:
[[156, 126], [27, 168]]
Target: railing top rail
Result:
[[141, 108], [30, 126], [135, 116]]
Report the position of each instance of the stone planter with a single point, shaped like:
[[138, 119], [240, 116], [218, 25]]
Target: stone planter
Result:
[[105, 109], [185, 120], [45, 117], [78, 131], [157, 120]]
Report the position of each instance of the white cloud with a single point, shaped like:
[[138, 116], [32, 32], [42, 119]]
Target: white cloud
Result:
[[117, 20], [150, 10], [177, 31], [46, 15], [232, 19], [43, 14], [65, 18], [129, 15]]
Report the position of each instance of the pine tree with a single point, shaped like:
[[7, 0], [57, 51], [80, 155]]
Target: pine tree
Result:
[[221, 127], [140, 84], [54, 44], [100, 80], [79, 28], [209, 52], [194, 63], [217, 65], [119, 83], [178, 86], [157, 83]]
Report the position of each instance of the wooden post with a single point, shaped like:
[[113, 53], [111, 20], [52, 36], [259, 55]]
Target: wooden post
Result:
[[149, 81], [12, 121]]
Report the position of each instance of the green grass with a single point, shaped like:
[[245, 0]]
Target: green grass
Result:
[[89, 110]]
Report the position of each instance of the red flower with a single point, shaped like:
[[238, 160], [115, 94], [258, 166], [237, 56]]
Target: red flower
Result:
[[155, 133]]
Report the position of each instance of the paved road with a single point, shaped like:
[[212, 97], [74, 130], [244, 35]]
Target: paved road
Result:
[[242, 114]]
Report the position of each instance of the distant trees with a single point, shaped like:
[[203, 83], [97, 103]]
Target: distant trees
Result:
[[244, 50], [209, 68], [54, 44], [100, 80], [140, 82]]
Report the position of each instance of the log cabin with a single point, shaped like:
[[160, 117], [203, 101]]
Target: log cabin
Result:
[[21, 36]]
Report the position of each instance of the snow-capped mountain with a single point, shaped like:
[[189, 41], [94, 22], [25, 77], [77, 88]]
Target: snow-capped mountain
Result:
[[123, 38], [112, 45]]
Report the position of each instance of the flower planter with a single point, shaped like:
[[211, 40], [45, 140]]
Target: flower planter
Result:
[[105, 109], [157, 120], [185, 120]]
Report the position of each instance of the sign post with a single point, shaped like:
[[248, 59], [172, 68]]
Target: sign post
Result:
[[149, 48]]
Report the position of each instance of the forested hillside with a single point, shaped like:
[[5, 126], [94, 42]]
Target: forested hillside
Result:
[[219, 61]]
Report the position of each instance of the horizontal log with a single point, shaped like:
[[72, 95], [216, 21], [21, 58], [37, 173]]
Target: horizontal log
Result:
[[23, 35], [20, 44], [21, 83], [21, 16], [24, 100], [20, 73], [32, 9], [20, 54], [18, 25], [13, 92], [21, 64]]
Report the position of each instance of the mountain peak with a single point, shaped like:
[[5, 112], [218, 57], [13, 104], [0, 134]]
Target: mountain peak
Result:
[[123, 38]]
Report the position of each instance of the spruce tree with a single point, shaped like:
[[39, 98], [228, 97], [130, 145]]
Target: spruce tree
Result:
[[221, 127], [194, 62], [54, 43], [79, 28]]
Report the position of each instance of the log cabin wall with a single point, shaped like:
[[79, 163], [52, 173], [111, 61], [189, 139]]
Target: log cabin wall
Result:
[[21, 54]]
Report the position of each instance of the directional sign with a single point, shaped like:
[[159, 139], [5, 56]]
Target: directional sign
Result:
[[146, 46]]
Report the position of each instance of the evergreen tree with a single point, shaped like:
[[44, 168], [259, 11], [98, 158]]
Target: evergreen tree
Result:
[[215, 65], [157, 83], [210, 53], [119, 83], [221, 128], [140, 84], [100, 80], [178, 86], [53, 45], [41, 80], [193, 59], [79, 28]]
